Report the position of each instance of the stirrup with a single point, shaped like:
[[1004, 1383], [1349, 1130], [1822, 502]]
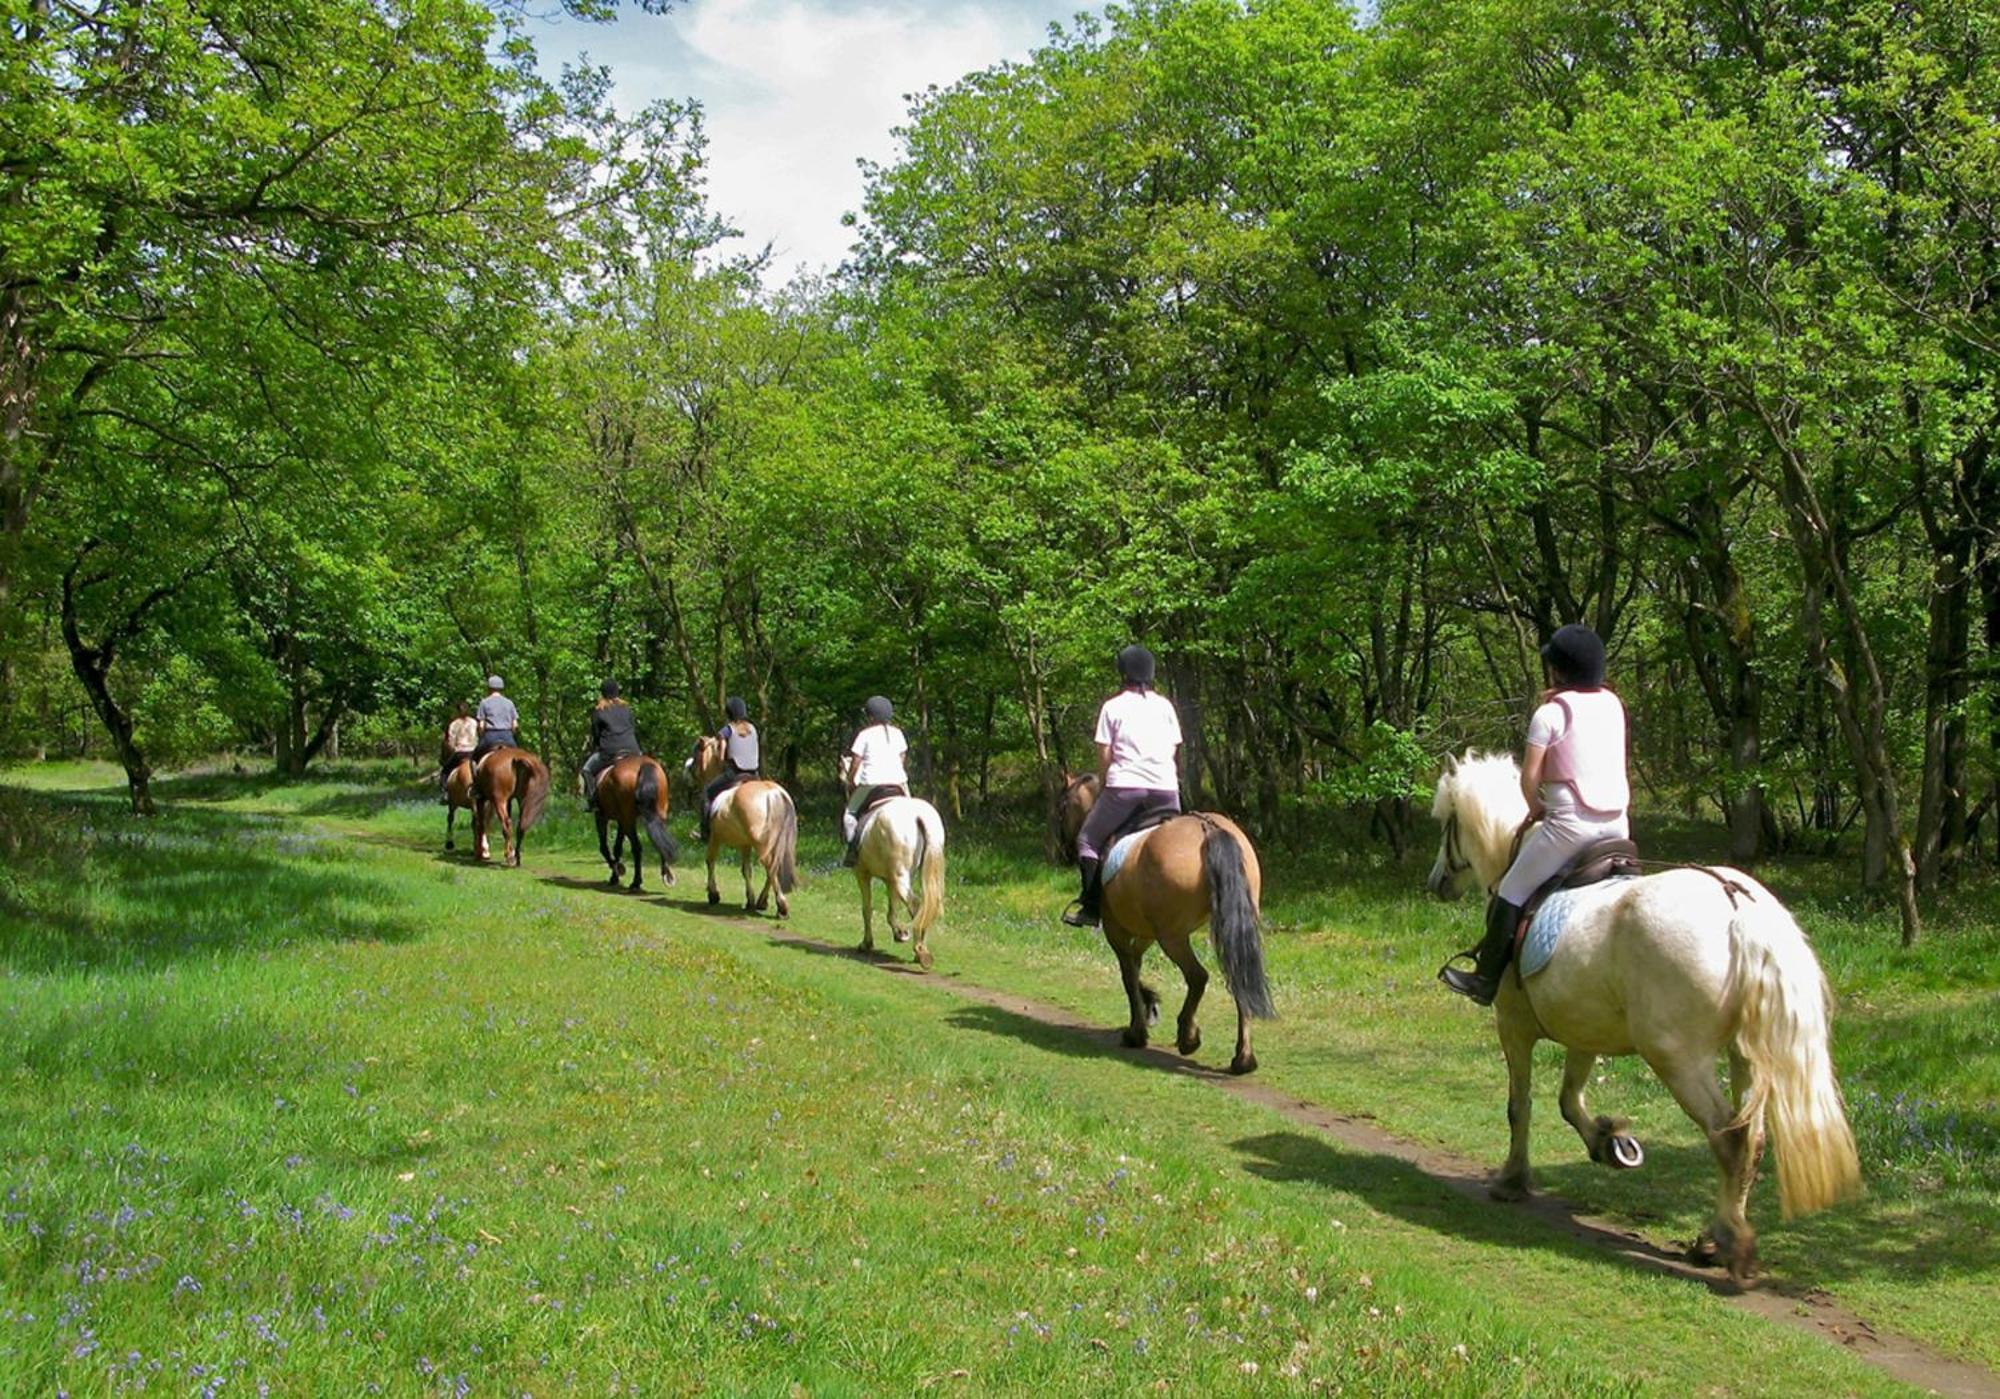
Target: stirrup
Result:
[[1077, 916]]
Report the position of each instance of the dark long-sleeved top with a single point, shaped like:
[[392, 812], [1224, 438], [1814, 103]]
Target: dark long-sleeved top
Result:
[[612, 731]]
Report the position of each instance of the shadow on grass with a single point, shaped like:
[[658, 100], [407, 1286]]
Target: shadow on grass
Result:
[[85, 889]]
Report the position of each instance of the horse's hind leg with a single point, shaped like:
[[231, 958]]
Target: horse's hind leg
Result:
[[1605, 1138], [1692, 1082], [899, 888], [1517, 1042], [1187, 1037], [867, 910], [714, 844], [750, 904], [450, 820], [628, 837]]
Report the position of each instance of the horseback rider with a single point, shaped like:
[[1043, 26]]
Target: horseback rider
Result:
[[613, 735], [461, 737], [1573, 775], [1138, 743], [741, 755], [497, 718], [875, 762]]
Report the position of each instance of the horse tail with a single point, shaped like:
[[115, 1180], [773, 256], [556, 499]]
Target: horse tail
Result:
[[531, 779], [930, 870], [649, 795], [1782, 1030], [1232, 923], [784, 858]]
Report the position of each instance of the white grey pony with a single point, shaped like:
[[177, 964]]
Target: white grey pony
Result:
[[1679, 969], [902, 844]]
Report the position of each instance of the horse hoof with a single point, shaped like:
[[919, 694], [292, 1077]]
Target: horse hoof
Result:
[[1243, 1064], [902, 934], [784, 909], [1507, 1191], [1703, 1253], [1189, 1043], [667, 876], [1133, 1038], [924, 958], [1626, 1153]]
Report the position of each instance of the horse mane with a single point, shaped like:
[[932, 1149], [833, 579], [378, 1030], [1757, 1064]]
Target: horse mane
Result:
[[1484, 790]]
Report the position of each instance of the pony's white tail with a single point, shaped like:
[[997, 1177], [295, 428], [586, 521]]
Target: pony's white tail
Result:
[[930, 870], [1783, 1030]]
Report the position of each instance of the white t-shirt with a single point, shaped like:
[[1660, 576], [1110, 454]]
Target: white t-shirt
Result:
[[878, 751], [463, 735], [1596, 755], [1142, 729]]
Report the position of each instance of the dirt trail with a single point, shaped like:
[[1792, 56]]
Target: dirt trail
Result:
[[1902, 1357]]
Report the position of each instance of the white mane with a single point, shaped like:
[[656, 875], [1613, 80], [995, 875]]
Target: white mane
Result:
[[1484, 789]]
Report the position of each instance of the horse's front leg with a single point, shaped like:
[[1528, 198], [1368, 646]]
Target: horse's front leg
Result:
[[714, 844], [1129, 957], [1180, 951], [1606, 1138], [604, 848], [450, 820], [1518, 1034], [749, 896], [867, 910], [629, 838]]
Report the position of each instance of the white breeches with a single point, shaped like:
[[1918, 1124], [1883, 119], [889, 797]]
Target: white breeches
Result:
[[1563, 832]]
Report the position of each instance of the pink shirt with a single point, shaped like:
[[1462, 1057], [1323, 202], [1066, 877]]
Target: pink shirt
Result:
[[1582, 733], [1142, 730]]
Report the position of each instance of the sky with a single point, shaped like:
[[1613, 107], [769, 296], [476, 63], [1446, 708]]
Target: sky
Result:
[[794, 92]]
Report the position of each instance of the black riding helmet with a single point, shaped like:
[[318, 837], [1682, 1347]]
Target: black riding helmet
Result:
[[735, 708], [878, 709], [1576, 655], [609, 689], [1136, 666]]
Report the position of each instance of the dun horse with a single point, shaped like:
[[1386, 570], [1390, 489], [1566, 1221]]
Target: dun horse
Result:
[[506, 778], [630, 792], [902, 844], [755, 817], [1679, 967], [1196, 868]]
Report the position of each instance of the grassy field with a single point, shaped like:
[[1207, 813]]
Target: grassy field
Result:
[[293, 1101]]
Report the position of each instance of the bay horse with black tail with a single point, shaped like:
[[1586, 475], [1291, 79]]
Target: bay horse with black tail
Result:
[[511, 785], [1195, 868], [633, 792], [754, 816]]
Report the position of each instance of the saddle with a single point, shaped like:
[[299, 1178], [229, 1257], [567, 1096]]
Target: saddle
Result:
[[1607, 859], [1118, 847], [878, 794]]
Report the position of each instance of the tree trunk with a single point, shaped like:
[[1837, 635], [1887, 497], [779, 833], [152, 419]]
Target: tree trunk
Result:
[[92, 666]]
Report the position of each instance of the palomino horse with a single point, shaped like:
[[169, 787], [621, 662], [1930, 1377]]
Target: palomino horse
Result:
[[1679, 967], [503, 778], [457, 796], [755, 817], [1193, 869], [902, 844], [631, 791]]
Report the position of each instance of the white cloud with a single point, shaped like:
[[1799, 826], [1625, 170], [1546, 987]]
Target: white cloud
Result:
[[796, 91]]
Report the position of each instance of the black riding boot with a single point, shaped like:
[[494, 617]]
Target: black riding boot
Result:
[[1085, 913], [1482, 983]]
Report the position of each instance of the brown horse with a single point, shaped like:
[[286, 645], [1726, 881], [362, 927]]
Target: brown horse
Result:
[[1196, 868], [503, 778], [631, 791], [755, 817]]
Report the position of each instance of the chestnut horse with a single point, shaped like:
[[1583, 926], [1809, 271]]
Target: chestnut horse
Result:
[[1196, 868], [755, 817], [631, 791], [504, 778]]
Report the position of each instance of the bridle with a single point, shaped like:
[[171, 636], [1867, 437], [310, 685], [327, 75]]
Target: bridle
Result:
[[1455, 862]]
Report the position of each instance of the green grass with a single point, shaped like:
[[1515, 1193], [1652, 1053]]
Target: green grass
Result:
[[289, 1099]]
